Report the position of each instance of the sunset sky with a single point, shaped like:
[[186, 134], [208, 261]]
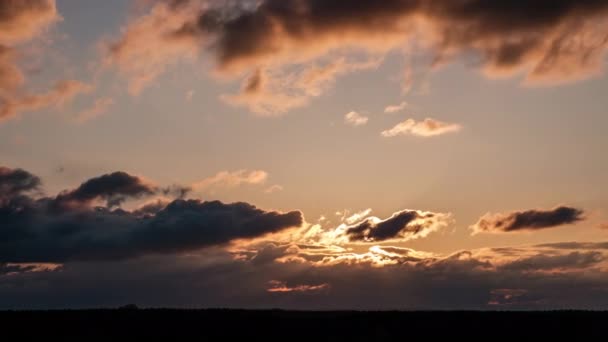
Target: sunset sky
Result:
[[304, 154]]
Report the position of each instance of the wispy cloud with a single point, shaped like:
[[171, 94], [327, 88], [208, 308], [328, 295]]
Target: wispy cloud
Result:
[[427, 128], [99, 107], [231, 179], [396, 108]]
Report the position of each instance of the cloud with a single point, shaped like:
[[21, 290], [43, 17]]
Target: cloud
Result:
[[99, 107], [227, 179], [396, 108], [15, 182], [114, 188], [403, 225], [273, 91], [527, 220], [20, 20], [69, 227], [355, 119], [273, 188], [62, 93], [14, 269], [573, 260], [281, 287], [357, 216], [152, 43], [469, 279], [427, 128], [553, 43]]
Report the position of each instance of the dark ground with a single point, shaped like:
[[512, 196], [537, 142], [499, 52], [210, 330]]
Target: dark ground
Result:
[[292, 325]]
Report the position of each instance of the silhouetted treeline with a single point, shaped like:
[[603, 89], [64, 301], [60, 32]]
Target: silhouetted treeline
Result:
[[266, 325]]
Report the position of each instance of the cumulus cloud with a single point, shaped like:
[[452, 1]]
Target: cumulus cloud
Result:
[[14, 182], [427, 128], [396, 108], [355, 119], [69, 227], [114, 188], [232, 179], [527, 220], [552, 43], [404, 225]]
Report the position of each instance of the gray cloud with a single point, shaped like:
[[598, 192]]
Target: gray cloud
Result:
[[406, 224], [114, 188], [548, 41], [213, 278], [528, 220], [14, 182], [69, 228]]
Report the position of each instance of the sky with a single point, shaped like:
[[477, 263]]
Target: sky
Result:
[[304, 154]]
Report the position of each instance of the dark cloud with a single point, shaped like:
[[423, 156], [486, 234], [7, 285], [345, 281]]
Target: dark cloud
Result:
[[55, 230], [528, 220], [114, 188], [542, 262], [14, 182], [505, 35], [407, 224], [213, 278], [576, 245]]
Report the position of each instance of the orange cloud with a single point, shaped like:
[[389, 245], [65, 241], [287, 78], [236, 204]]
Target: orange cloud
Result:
[[427, 128], [281, 287], [355, 119], [227, 179], [554, 43], [60, 94], [99, 107]]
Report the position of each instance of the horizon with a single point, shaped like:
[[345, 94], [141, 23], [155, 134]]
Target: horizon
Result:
[[304, 154]]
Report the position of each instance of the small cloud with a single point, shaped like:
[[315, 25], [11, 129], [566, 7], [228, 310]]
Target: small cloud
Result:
[[273, 189], [358, 216], [281, 287], [355, 119], [189, 95], [227, 179], [100, 106], [396, 108], [427, 128], [527, 220]]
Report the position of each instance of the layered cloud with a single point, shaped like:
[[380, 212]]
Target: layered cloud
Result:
[[231, 179], [546, 42], [427, 128], [527, 220], [71, 227], [400, 279]]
